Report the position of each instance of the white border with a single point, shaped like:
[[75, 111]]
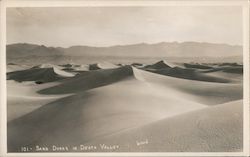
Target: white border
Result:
[[246, 145], [93, 3], [74, 3], [3, 96]]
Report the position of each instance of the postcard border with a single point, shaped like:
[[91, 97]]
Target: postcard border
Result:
[[93, 3]]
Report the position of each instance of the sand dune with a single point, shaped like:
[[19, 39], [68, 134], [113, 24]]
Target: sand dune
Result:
[[21, 103], [81, 68], [102, 65], [106, 65], [75, 67], [62, 73], [214, 129], [231, 64], [46, 66], [120, 105], [191, 74], [89, 80], [197, 66], [16, 67], [195, 71], [69, 65], [160, 65], [199, 91], [138, 65], [234, 70], [233, 77], [94, 67], [40, 75]]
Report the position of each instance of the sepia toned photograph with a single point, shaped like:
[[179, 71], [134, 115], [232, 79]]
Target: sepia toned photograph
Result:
[[124, 79]]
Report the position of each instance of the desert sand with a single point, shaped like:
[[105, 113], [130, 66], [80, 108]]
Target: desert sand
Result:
[[106, 107]]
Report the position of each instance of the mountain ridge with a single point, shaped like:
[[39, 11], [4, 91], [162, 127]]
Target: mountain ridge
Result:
[[166, 45], [26, 51]]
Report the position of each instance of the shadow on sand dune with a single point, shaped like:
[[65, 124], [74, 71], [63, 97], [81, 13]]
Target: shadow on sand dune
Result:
[[89, 80], [191, 71], [39, 75]]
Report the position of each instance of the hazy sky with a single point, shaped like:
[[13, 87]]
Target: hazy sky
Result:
[[105, 26]]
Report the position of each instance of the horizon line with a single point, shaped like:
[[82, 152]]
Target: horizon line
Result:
[[139, 43]]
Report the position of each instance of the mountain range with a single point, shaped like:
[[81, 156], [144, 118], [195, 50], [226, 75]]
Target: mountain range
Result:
[[21, 51]]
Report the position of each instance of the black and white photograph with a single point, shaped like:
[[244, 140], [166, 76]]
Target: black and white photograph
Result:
[[131, 79]]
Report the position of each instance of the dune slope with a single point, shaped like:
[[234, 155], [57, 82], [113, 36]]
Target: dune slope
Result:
[[203, 92], [213, 129], [21, 103]]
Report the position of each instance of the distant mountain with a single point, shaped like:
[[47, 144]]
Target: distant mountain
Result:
[[23, 50], [164, 49]]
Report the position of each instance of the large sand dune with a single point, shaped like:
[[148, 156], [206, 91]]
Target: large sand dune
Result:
[[216, 129], [203, 92], [121, 105], [40, 75]]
